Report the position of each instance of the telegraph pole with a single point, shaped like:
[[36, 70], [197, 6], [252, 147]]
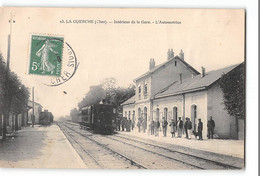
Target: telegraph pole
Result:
[[33, 117], [7, 96]]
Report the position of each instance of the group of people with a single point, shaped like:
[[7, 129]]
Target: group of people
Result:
[[177, 128], [125, 124], [186, 127], [141, 124]]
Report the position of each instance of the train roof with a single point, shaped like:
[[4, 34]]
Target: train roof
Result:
[[84, 108]]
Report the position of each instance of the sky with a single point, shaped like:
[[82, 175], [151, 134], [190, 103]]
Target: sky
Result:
[[208, 37]]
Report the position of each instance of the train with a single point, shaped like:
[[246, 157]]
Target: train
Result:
[[45, 118], [100, 118]]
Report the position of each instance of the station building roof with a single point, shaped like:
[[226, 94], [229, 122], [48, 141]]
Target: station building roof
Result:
[[157, 67], [129, 101], [195, 83]]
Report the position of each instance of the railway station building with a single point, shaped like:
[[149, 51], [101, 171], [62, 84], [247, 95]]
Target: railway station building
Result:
[[175, 89]]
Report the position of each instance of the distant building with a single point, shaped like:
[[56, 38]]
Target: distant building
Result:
[[175, 89], [37, 110]]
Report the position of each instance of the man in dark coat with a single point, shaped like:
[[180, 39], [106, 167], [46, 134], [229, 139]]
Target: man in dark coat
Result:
[[129, 124], [179, 127], [157, 127], [185, 127], [200, 128], [123, 123], [152, 127], [211, 127], [189, 128], [164, 126], [133, 124]]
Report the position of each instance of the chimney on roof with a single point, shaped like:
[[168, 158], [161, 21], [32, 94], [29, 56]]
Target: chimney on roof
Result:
[[151, 64], [202, 72], [181, 55], [180, 78], [170, 54]]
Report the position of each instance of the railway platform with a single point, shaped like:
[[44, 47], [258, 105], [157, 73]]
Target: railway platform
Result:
[[230, 148], [39, 147]]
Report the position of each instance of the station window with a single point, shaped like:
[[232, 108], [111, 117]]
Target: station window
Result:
[[139, 92], [175, 63], [129, 114], [145, 91]]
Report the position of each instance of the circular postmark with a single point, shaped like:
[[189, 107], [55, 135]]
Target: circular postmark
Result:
[[52, 59], [69, 67]]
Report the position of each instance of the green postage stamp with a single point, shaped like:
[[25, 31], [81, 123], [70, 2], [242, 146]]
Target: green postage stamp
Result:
[[46, 55]]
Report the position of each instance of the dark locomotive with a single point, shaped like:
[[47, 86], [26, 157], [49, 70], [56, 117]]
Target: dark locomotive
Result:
[[45, 118], [100, 118]]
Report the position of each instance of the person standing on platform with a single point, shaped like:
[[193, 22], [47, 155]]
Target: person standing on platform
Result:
[[164, 126], [173, 128], [133, 124], [200, 128], [179, 127], [123, 123], [149, 128], [157, 127], [152, 127], [139, 124], [189, 128], [211, 127], [129, 124], [185, 127]]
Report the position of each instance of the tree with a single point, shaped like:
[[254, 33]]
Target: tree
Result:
[[116, 95], [109, 92], [120, 95], [233, 87], [74, 115], [94, 96], [109, 84], [13, 95], [19, 101], [3, 71]]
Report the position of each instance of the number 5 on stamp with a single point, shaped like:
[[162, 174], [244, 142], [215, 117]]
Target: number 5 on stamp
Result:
[[46, 55]]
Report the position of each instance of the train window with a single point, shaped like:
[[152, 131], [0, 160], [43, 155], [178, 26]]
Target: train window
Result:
[[114, 110]]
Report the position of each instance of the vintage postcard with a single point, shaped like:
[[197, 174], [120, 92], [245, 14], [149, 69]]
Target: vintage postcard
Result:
[[122, 88]]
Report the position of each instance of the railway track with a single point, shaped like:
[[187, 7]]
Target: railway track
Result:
[[189, 160], [95, 154], [197, 161], [81, 149], [145, 158]]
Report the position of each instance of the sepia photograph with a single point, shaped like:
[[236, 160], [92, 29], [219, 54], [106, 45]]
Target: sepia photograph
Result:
[[123, 88]]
